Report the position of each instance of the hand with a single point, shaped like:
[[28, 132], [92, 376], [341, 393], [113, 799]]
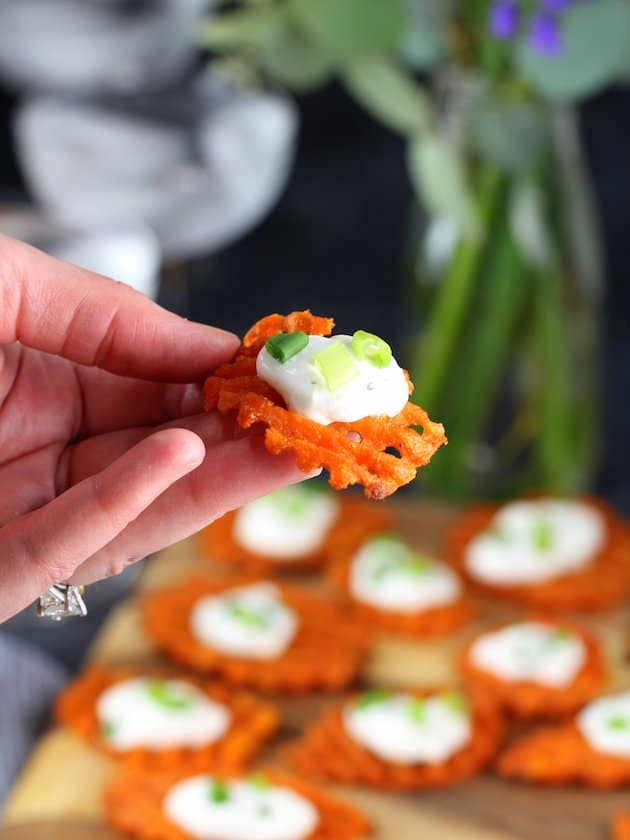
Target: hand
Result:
[[105, 452]]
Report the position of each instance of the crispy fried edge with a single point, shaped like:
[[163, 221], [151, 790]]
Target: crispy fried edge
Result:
[[356, 520], [326, 653], [133, 805], [327, 751], [602, 584], [253, 721], [430, 623], [365, 461], [528, 700]]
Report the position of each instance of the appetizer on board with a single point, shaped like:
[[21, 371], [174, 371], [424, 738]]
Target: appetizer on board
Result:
[[339, 402], [269, 636], [157, 720]]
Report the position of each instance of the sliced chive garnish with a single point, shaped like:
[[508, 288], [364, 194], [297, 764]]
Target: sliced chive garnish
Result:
[[283, 346], [161, 693], [369, 347], [542, 535], [455, 701], [417, 709], [417, 564], [371, 698], [219, 792], [336, 365], [259, 781], [247, 617], [618, 724]]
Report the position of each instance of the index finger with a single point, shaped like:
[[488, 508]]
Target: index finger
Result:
[[58, 308]]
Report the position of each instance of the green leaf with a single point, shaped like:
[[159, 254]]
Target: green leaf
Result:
[[292, 60], [526, 214], [244, 29], [371, 698], [510, 135], [595, 51], [424, 40], [351, 27], [389, 94], [437, 173]]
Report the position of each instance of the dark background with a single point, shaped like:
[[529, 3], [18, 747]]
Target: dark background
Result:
[[337, 240]]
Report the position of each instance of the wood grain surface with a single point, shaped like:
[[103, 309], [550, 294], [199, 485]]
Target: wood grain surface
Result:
[[58, 795]]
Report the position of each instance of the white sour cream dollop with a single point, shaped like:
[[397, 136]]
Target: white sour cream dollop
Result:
[[242, 811], [247, 621], [389, 575], [374, 391], [287, 524], [530, 651], [408, 730], [159, 714], [605, 724], [530, 542]]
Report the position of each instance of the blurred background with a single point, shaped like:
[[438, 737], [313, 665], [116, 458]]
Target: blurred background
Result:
[[451, 176]]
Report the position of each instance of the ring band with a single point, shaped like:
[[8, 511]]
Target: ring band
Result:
[[63, 600]]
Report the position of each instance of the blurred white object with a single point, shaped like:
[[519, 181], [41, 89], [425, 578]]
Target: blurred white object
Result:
[[85, 46], [201, 166], [128, 252]]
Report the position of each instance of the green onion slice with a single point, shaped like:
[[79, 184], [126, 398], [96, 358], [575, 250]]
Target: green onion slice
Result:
[[161, 693], [369, 347], [619, 724], [371, 698], [416, 708], [455, 701], [283, 346], [542, 535], [336, 365], [219, 792]]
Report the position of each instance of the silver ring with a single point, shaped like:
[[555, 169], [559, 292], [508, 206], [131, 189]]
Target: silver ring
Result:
[[63, 600]]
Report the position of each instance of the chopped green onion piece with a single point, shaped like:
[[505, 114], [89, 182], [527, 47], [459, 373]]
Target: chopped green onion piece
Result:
[[498, 533], [161, 693], [247, 617], [417, 709], [336, 365], [259, 781], [370, 347], [417, 564], [455, 701], [543, 535], [283, 346], [370, 698], [219, 792], [107, 729], [619, 723]]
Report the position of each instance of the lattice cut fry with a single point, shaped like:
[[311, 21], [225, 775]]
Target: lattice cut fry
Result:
[[559, 755], [353, 453], [621, 826], [356, 520], [253, 722], [133, 806], [595, 587], [327, 751], [527, 700], [326, 653], [427, 623]]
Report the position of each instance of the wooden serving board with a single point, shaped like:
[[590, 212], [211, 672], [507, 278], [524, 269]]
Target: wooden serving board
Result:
[[59, 793]]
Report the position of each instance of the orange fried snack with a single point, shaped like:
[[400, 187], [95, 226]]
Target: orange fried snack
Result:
[[356, 520], [353, 453], [327, 751], [559, 755], [253, 722], [133, 806], [527, 700], [429, 623], [621, 826], [601, 584], [326, 653]]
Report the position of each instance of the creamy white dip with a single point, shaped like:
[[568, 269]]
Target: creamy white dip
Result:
[[605, 724]]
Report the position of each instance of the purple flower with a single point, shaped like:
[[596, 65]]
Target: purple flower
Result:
[[544, 35], [557, 6], [503, 21]]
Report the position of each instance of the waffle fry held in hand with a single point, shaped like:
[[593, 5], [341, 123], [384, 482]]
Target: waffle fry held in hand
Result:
[[338, 402]]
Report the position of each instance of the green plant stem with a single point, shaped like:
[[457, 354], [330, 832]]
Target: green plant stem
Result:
[[478, 371], [439, 343]]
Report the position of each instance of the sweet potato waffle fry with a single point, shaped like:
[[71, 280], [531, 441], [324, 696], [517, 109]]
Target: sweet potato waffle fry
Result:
[[559, 755], [527, 700], [621, 826], [352, 453], [326, 653], [429, 623], [356, 520], [133, 806], [602, 584], [327, 751]]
